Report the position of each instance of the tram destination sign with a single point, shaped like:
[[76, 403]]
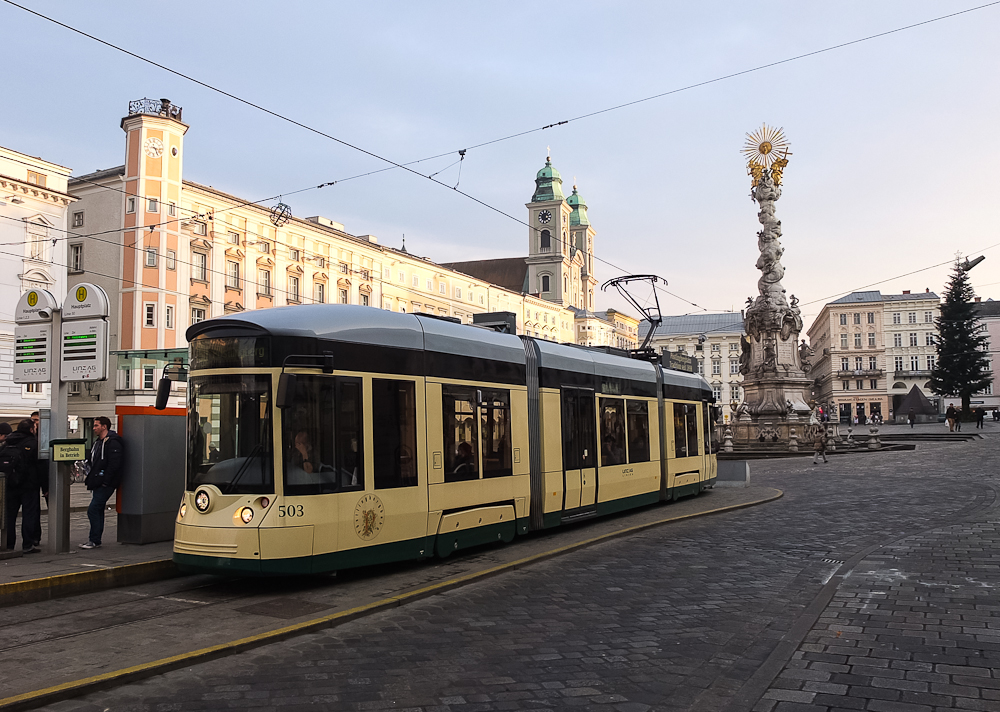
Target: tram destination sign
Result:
[[679, 362], [32, 353], [84, 350]]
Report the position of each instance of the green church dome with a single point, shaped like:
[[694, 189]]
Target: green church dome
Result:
[[548, 184], [579, 214]]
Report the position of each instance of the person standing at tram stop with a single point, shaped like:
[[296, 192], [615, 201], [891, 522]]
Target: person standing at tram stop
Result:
[[19, 462], [107, 458]]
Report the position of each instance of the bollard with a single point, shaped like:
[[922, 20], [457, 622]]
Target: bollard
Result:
[[727, 440], [793, 440], [874, 443]]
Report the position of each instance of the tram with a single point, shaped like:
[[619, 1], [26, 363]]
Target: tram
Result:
[[324, 437]]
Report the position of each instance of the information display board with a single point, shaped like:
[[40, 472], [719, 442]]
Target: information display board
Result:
[[33, 353], [84, 350]]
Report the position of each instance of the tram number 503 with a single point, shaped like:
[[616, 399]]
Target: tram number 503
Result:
[[291, 510]]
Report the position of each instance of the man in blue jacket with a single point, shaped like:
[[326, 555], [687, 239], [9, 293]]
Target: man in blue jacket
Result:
[[106, 460]]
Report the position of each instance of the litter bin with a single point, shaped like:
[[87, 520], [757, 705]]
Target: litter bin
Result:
[[152, 479]]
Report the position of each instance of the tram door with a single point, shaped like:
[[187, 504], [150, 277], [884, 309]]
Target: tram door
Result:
[[579, 434]]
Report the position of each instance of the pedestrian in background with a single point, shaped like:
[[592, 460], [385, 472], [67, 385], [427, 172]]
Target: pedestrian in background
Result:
[[5, 430], [959, 414], [819, 444], [980, 417], [19, 462], [911, 417], [106, 461], [950, 417]]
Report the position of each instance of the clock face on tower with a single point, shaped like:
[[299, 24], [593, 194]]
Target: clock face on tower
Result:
[[544, 217], [153, 147]]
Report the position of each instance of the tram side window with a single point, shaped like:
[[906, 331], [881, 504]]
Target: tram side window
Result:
[[685, 430], [612, 431], [350, 460], [638, 431], [497, 449], [461, 433], [691, 414], [706, 413], [394, 436], [308, 436]]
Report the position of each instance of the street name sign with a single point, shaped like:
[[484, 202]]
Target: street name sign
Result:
[[84, 350]]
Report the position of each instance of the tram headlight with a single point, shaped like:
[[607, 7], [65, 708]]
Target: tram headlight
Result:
[[264, 501], [184, 509], [246, 514], [202, 501]]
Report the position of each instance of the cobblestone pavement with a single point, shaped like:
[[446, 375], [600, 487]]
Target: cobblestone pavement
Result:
[[871, 585]]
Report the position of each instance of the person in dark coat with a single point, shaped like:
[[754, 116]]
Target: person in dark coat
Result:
[[911, 417], [980, 417], [22, 488], [107, 458]]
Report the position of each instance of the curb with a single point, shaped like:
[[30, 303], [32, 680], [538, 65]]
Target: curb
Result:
[[45, 589], [69, 690]]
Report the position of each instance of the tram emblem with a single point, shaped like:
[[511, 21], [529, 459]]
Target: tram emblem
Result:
[[369, 515]]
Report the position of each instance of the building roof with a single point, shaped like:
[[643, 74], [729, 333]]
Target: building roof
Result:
[[877, 296], [98, 175], [724, 323], [507, 272], [987, 308], [579, 214]]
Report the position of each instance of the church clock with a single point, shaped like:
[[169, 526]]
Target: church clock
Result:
[[545, 217]]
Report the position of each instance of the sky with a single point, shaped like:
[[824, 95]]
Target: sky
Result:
[[895, 149]]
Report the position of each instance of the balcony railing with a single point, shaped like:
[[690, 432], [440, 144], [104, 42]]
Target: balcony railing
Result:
[[161, 107], [913, 373], [860, 372]]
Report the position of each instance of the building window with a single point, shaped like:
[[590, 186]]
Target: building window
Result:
[[36, 179], [857, 317], [78, 219], [913, 339], [717, 393], [701, 366], [845, 385], [843, 319], [319, 293], [264, 247], [931, 362], [857, 340], [858, 363], [871, 317], [344, 270], [168, 317], [197, 315], [871, 338], [442, 288], [734, 367], [911, 318], [172, 209], [928, 339], [914, 363], [37, 242], [147, 378], [130, 205], [343, 296], [874, 384], [897, 318], [845, 364], [233, 275], [458, 292], [151, 257], [716, 368], [402, 277], [843, 341], [199, 228], [872, 363], [365, 300], [34, 388], [897, 362], [430, 285], [861, 384], [126, 379], [416, 281], [150, 314], [264, 282], [321, 262], [897, 340], [716, 347], [199, 266], [545, 241], [545, 283], [171, 259], [293, 254], [152, 205], [928, 317], [234, 237], [293, 289], [76, 258]]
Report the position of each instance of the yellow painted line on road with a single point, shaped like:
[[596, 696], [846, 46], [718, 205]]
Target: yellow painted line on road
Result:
[[55, 693]]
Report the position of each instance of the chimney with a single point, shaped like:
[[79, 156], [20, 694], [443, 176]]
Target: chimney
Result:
[[906, 291], [979, 299]]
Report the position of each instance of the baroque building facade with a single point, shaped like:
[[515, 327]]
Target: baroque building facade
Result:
[[171, 252], [34, 212]]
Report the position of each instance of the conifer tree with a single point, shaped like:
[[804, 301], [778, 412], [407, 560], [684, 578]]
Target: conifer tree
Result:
[[962, 368]]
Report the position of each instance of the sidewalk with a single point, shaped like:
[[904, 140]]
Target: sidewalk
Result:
[[43, 565]]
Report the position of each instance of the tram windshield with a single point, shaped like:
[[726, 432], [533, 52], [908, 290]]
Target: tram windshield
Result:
[[229, 434]]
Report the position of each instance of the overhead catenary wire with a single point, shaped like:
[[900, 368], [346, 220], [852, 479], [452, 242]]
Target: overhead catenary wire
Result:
[[510, 136]]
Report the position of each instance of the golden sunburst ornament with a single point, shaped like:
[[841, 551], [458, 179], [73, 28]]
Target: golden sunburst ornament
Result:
[[765, 146]]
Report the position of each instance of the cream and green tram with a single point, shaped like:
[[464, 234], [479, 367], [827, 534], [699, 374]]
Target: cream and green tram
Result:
[[325, 437]]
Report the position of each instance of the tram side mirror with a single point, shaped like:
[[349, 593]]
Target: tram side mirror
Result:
[[286, 390], [162, 394]]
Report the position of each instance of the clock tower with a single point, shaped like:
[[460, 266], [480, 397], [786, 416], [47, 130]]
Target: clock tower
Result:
[[554, 262]]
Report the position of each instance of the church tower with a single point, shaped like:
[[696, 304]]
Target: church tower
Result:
[[582, 237], [550, 250]]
